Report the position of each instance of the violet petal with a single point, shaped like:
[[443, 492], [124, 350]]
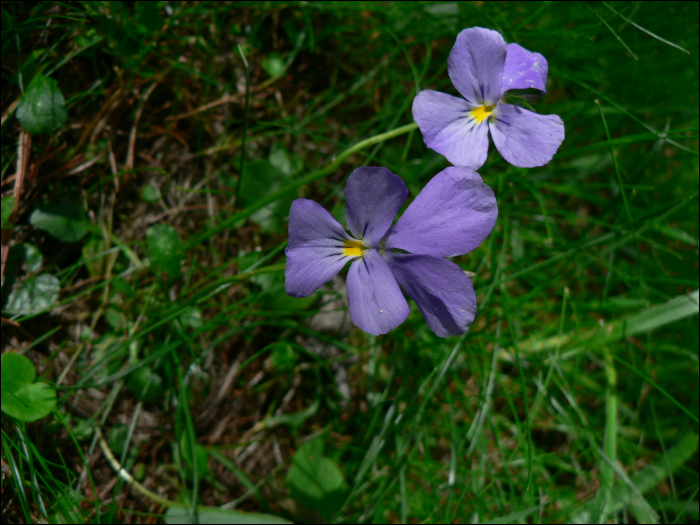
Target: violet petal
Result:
[[524, 69], [449, 129], [373, 196], [475, 65], [443, 292], [315, 249], [375, 301], [525, 139], [452, 215]]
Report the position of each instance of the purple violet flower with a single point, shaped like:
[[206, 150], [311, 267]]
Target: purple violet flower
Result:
[[453, 214], [482, 68]]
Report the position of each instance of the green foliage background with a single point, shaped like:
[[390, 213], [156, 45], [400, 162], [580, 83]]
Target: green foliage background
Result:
[[145, 261]]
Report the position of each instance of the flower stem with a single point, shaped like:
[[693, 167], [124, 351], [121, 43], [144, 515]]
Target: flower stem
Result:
[[319, 174]]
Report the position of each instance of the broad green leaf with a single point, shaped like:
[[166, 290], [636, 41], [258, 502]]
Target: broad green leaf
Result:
[[35, 295], [149, 193], [279, 158], [213, 515], [42, 107], [122, 286], [261, 178], [274, 65], [114, 318], [276, 298], [63, 221], [32, 257], [16, 371], [146, 385], [192, 317], [446, 12], [165, 248], [316, 481], [24, 254], [7, 20], [21, 397], [202, 458], [8, 204], [283, 356], [116, 439]]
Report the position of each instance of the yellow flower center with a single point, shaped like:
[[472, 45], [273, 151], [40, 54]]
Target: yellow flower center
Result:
[[353, 248], [481, 113]]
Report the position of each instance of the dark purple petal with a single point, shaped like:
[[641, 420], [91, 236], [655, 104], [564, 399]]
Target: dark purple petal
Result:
[[452, 215], [524, 69], [373, 196], [448, 128], [315, 250], [443, 292], [525, 139], [475, 65], [375, 300]]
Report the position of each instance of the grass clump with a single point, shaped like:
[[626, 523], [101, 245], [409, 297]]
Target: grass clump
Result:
[[153, 301]]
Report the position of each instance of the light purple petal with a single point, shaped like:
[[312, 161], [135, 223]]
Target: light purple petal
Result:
[[524, 70], [475, 65], [449, 129], [525, 139], [452, 215], [373, 196], [315, 250], [443, 292], [374, 298]]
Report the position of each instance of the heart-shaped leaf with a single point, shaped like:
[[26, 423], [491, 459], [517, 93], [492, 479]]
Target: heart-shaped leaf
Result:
[[42, 107], [35, 295], [8, 204], [21, 397], [63, 221], [146, 385], [316, 481], [260, 178], [165, 248]]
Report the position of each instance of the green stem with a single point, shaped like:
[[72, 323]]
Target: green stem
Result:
[[607, 474], [233, 219]]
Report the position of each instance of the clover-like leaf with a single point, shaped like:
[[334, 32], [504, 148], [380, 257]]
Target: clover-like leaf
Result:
[[146, 385], [21, 397], [201, 456], [32, 257], [165, 248], [314, 480], [42, 107], [149, 193], [63, 221], [35, 295], [8, 204], [260, 178]]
